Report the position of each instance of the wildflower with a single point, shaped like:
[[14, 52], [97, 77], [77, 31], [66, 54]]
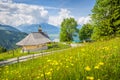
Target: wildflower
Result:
[[48, 73], [51, 69], [101, 63], [19, 76], [71, 57], [38, 77], [87, 68], [56, 63], [83, 49], [96, 67], [50, 78], [48, 60], [66, 66], [90, 77], [67, 60], [72, 64], [61, 64], [42, 75], [7, 71]]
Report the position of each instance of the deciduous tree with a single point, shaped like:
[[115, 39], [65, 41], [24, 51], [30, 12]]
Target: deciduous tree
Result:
[[68, 29], [85, 32]]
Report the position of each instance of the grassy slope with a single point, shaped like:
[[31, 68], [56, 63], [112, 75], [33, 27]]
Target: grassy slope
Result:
[[94, 61]]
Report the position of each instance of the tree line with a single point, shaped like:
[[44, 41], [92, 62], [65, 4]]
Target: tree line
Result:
[[104, 24]]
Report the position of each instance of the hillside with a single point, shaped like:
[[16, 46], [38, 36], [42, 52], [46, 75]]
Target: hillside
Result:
[[93, 61], [9, 28], [9, 36], [52, 31]]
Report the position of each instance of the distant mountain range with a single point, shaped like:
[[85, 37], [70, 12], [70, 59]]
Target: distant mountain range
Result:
[[9, 28], [9, 36], [52, 31]]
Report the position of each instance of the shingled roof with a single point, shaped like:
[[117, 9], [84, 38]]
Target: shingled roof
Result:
[[34, 38]]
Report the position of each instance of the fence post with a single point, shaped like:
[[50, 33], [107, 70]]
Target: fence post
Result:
[[33, 56], [18, 59], [13, 52]]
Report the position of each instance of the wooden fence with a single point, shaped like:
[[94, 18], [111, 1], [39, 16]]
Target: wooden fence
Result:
[[21, 59]]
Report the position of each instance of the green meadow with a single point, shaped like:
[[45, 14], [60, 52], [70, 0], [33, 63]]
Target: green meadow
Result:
[[92, 61]]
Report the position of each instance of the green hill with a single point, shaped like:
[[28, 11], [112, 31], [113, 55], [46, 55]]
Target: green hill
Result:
[[9, 36]]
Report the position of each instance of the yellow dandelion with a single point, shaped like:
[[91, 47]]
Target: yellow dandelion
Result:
[[87, 68], [38, 77], [90, 77], [50, 78], [48, 60], [101, 63], [83, 49], [67, 66], [61, 64], [72, 64], [51, 69], [7, 71], [56, 63], [96, 67], [42, 75], [48, 73], [19, 76], [71, 57], [67, 60]]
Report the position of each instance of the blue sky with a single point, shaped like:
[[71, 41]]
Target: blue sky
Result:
[[49, 11], [77, 7]]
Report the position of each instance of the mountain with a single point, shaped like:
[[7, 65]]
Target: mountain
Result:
[[7, 27], [10, 36], [52, 31]]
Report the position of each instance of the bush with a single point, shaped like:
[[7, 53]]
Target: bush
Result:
[[2, 49]]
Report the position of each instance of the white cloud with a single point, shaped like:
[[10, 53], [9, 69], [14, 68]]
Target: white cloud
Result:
[[84, 20], [16, 14], [64, 13], [56, 20], [6, 1]]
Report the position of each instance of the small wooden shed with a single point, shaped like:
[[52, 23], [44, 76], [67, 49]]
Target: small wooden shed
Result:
[[35, 41]]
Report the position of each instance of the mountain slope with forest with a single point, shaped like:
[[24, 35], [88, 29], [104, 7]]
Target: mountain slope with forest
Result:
[[9, 36]]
